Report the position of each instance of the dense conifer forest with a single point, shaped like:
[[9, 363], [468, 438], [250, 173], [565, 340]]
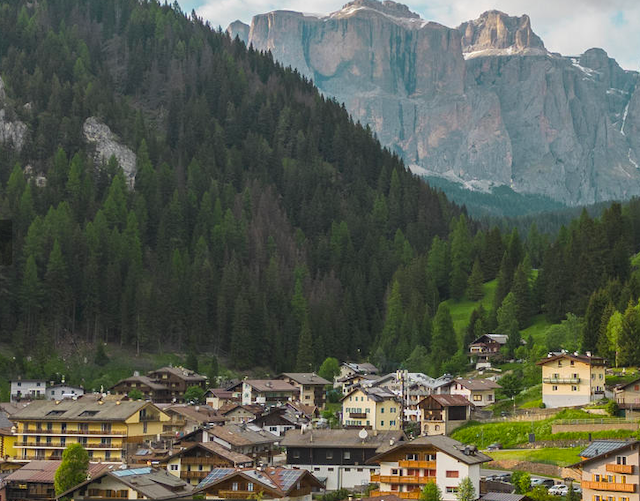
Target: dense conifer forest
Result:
[[265, 225]]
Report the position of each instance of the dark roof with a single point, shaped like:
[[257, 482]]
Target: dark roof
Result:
[[600, 447], [267, 385], [182, 373], [141, 380], [502, 496], [348, 438], [44, 471], [444, 444], [219, 392], [277, 479], [626, 385], [496, 338], [305, 378], [235, 457], [573, 356], [450, 400]]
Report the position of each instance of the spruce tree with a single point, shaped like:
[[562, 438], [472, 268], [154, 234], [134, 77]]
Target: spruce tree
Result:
[[522, 296], [592, 320], [476, 279], [443, 340]]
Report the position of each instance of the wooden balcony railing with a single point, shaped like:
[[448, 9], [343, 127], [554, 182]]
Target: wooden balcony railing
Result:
[[236, 494], [620, 468], [194, 474], [609, 486], [198, 461], [400, 479], [561, 380], [401, 495], [418, 464], [375, 478], [358, 415]]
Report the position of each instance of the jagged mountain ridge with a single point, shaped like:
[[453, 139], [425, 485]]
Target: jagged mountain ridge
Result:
[[484, 103]]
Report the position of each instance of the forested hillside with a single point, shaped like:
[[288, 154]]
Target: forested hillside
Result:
[[264, 224]]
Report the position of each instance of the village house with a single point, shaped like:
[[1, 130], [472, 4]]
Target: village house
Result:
[[237, 413], [348, 383], [186, 418], [480, 392], [34, 480], [628, 396], [441, 414], [338, 457], [258, 445], [485, 348], [219, 397], [133, 483], [102, 427], [611, 474], [267, 392], [352, 368], [372, 408], [63, 390], [261, 483], [279, 420], [569, 379], [27, 389], [406, 468], [164, 385], [195, 462], [311, 386]]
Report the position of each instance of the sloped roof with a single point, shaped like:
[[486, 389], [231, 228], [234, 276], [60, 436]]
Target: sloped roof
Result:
[[348, 438], [310, 378], [450, 400], [600, 447], [277, 479], [502, 496], [241, 435], [44, 471], [80, 410], [375, 393], [444, 444], [146, 380], [498, 338], [181, 372], [364, 368], [219, 392], [235, 457], [254, 409], [477, 384], [199, 413], [267, 385], [573, 356]]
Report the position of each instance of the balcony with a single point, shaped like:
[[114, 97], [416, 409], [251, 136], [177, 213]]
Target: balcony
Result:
[[620, 468], [409, 480], [609, 486], [561, 380], [236, 494], [401, 495], [61, 445], [198, 461], [148, 418], [358, 415], [431, 465], [29, 431], [194, 474], [375, 478]]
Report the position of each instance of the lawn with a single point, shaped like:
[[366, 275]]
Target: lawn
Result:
[[461, 310], [537, 328], [550, 455]]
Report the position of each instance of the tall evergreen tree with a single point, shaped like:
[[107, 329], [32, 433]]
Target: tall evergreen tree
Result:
[[476, 279]]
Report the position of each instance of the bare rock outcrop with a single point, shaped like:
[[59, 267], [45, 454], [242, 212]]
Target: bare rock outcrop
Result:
[[12, 131], [240, 30], [107, 145]]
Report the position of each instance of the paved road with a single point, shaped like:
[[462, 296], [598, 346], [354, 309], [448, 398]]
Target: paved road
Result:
[[484, 472]]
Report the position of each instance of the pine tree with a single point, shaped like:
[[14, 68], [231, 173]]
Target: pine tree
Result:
[[460, 258], [304, 359], [522, 296], [443, 340], [593, 318], [628, 350], [476, 279]]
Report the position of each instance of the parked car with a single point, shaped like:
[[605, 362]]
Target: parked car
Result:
[[505, 477], [493, 478], [562, 490], [494, 446], [545, 482]]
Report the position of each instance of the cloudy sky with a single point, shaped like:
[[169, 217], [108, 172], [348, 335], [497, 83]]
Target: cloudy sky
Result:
[[566, 26]]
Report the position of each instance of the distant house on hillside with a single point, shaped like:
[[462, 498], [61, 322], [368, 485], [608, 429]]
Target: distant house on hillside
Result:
[[28, 389], [164, 385], [485, 348], [628, 395]]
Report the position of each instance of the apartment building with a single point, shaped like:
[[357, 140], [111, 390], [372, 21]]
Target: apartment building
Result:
[[261, 483], [569, 379], [164, 385], [340, 456], [372, 408], [194, 463], [406, 468], [311, 386], [27, 389], [611, 475], [267, 392], [103, 427]]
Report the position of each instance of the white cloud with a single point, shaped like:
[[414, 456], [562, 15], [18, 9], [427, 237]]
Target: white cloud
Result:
[[566, 26]]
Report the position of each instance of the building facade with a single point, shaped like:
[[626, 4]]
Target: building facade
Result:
[[441, 414], [480, 392], [28, 389], [372, 408], [311, 386], [571, 379]]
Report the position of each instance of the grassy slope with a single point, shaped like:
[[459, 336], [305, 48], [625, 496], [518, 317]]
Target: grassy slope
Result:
[[555, 456], [461, 310]]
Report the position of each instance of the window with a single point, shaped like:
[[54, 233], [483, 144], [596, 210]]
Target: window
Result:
[[437, 427], [572, 362], [250, 486], [49, 426], [596, 498], [174, 467], [575, 375], [596, 477], [315, 468], [107, 455], [382, 411], [452, 490], [556, 375], [381, 423], [621, 460], [392, 423], [234, 486], [554, 388], [412, 457], [346, 455], [490, 397], [559, 363], [393, 410], [477, 398], [394, 471], [347, 469], [430, 457], [360, 470], [574, 388], [329, 455], [452, 474]]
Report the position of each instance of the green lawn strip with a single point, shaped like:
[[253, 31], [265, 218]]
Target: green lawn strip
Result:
[[461, 310], [552, 455], [536, 330]]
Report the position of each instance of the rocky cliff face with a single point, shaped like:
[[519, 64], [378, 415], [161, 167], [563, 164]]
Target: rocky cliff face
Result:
[[484, 103], [240, 30], [13, 132]]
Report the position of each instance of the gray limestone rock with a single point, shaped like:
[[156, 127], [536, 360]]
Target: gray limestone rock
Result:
[[12, 131], [240, 30], [107, 145]]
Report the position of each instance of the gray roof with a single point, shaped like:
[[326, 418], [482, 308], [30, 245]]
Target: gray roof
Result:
[[310, 378], [146, 380], [376, 394], [80, 410], [445, 444], [598, 447], [181, 372], [241, 435], [341, 438]]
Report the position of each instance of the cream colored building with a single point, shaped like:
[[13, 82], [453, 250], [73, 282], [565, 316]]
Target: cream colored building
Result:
[[406, 468], [570, 379], [312, 387], [480, 392], [612, 475], [628, 396], [372, 408]]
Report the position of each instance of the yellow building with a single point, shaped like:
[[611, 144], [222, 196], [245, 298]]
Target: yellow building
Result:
[[102, 427], [569, 379], [372, 408]]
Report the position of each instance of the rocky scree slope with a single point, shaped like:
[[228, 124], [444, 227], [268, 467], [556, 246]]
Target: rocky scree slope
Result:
[[484, 104]]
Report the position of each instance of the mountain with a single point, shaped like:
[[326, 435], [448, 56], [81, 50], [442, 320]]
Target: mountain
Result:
[[484, 103]]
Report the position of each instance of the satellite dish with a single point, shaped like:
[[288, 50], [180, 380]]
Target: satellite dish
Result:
[[363, 434]]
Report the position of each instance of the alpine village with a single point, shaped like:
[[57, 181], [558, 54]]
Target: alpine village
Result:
[[234, 264]]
